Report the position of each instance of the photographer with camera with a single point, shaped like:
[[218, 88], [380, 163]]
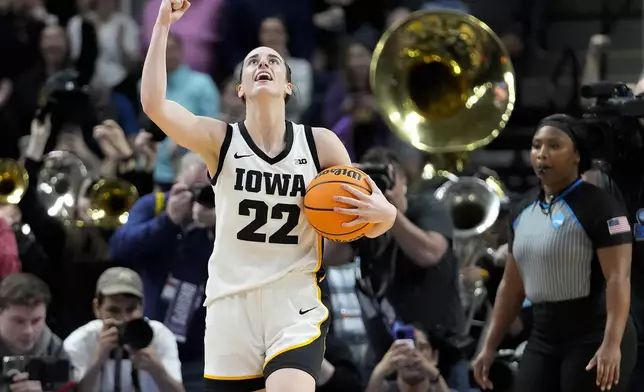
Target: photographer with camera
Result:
[[409, 274], [29, 349], [120, 350], [168, 239]]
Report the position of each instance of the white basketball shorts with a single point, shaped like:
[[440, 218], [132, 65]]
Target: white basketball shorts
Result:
[[251, 335]]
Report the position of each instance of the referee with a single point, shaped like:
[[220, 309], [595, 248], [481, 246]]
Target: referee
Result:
[[570, 255]]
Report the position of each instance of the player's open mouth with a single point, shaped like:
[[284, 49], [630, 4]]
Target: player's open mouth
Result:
[[263, 76]]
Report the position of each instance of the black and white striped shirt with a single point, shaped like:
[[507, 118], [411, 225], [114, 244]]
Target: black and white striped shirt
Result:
[[555, 246]]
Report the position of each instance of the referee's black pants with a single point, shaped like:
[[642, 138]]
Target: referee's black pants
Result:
[[565, 337]]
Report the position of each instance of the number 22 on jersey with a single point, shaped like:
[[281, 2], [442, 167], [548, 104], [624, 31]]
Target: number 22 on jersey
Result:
[[285, 185]]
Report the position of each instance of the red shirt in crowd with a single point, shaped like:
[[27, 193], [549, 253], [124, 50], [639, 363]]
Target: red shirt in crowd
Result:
[[9, 261]]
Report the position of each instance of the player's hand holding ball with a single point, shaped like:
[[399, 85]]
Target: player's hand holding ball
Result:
[[373, 208], [171, 11], [343, 204]]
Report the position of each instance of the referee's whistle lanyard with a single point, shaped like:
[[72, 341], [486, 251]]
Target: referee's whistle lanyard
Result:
[[561, 195]]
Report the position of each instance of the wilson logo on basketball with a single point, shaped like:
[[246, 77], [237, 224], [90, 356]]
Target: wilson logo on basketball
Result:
[[320, 203], [343, 171]]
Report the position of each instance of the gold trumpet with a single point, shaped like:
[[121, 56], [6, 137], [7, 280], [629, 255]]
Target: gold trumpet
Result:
[[59, 184]]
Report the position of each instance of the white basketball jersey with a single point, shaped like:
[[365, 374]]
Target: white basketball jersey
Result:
[[262, 233]]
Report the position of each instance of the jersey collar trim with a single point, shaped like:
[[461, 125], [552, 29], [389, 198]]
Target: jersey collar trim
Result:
[[288, 143]]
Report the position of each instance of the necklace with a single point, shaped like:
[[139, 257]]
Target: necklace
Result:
[[545, 207], [551, 199]]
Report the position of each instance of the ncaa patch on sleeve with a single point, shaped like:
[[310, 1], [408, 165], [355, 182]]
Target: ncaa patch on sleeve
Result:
[[618, 225]]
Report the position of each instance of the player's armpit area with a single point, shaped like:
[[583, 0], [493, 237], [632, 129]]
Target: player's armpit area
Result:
[[331, 151], [202, 135]]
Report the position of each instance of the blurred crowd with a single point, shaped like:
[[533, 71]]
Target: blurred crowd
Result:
[[70, 115]]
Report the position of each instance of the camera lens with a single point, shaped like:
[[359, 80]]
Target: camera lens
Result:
[[204, 195], [136, 333]]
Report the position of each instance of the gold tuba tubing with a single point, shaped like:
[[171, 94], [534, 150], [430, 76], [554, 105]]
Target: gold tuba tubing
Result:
[[110, 202], [63, 180]]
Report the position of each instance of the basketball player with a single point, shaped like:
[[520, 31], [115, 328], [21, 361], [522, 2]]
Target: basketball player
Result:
[[265, 323]]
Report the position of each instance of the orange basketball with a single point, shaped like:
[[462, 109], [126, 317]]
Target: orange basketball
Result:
[[319, 203]]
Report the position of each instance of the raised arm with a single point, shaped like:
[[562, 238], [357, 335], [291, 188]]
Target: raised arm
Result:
[[199, 134]]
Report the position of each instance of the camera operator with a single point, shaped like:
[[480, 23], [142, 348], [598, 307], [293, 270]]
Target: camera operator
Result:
[[23, 309], [93, 347], [408, 274], [168, 239], [627, 179]]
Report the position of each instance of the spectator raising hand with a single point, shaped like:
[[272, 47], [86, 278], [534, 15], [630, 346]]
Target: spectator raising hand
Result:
[[112, 141], [72, 141], [40, 132], [146, 149], [113, 144]]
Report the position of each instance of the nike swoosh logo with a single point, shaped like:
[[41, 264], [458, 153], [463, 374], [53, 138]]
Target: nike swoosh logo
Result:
[[307, 310], [237, 156]]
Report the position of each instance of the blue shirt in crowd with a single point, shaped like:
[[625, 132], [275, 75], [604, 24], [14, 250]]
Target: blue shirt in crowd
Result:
[[196, 92], [169, 258]]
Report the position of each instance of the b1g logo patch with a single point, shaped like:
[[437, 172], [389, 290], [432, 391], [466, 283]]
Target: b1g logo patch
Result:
[[638, 228]]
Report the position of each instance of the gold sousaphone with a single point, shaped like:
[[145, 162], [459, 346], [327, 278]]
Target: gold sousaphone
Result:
[[58, 186], [445, 84]]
